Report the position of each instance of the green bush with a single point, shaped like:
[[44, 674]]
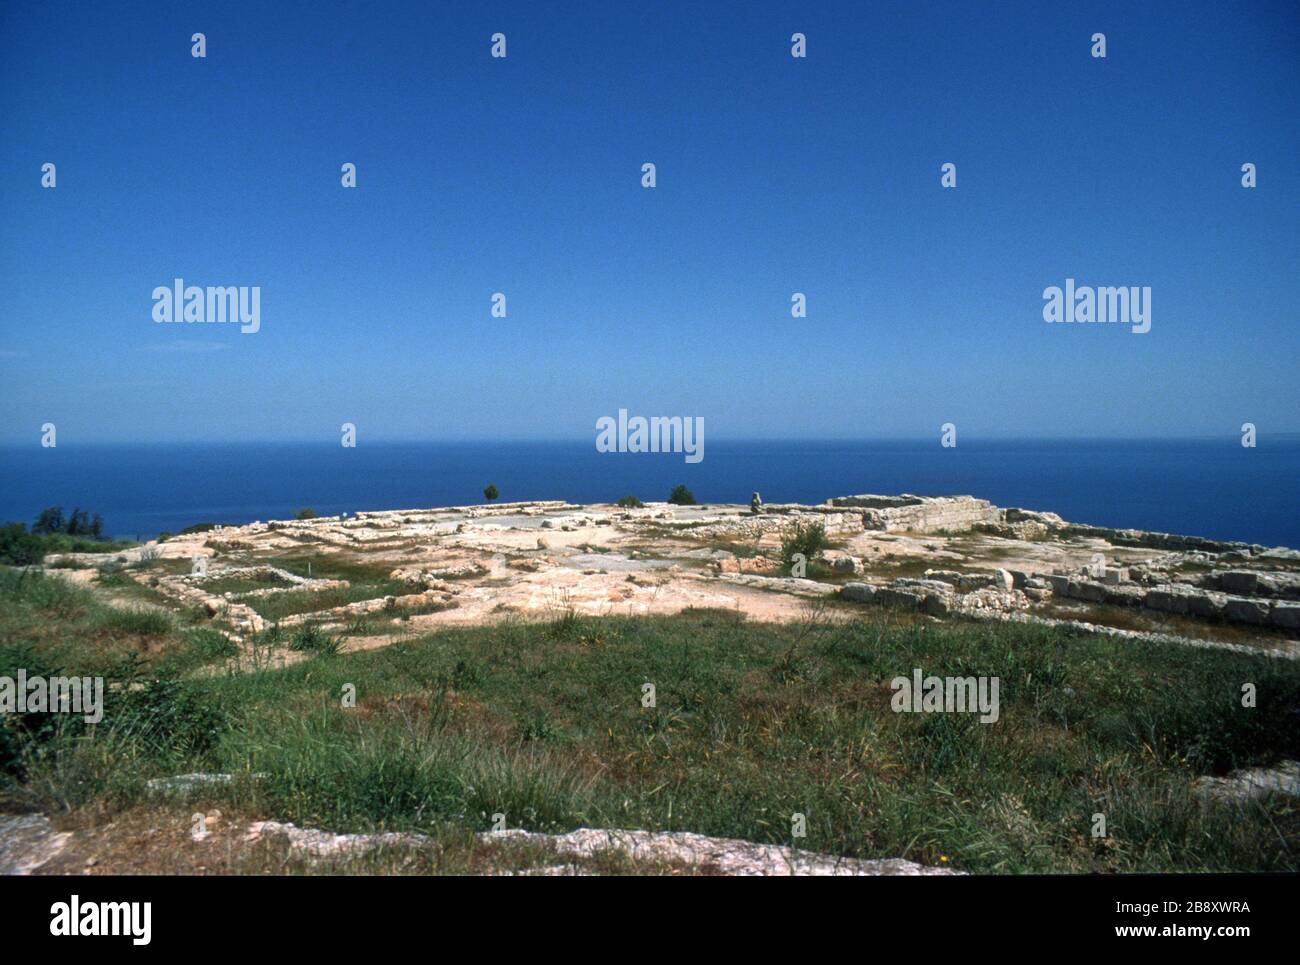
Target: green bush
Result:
[[209, 644], [312, 639], [630, 502], [170, 718], [808, 539], [80, 523], [19, 547], [490, 492], [681, 496], [307, 513], [51, 534], [20, 734]]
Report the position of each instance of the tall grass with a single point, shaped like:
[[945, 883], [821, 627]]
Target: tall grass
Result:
[[752, 722], [138, 620]]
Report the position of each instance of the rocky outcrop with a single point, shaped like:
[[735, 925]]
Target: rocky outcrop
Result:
[[942, 593], [1253, 783], [1181, 599], [27, 842], [728, 856]]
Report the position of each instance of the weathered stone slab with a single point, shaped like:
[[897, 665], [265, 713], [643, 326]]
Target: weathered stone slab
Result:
[[1253, 783], [1254, 612], [1125, 594], [27, 841], [1206, 605], [1168, 599], [1285, 615], [1243, 583], [858, 592], [727, 856]]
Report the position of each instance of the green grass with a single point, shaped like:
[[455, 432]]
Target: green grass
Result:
[[63, 543], [164, 566], [367, 580], [334, 566], [138, 622], [291, 602], [73, 626], [198, 647], [244, 583], [312, 639], [544, 723]]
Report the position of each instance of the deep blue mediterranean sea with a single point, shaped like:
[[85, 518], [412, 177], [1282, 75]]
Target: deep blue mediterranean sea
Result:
[[1214, 488]]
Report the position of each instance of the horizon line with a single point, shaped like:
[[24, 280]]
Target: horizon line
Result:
[[570, 440]]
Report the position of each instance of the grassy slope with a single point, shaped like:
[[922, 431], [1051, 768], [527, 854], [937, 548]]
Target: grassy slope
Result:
[[544, 723]]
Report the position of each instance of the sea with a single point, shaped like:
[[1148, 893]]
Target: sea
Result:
[[1204, 487]]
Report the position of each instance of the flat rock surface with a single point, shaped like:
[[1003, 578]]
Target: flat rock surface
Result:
[[727, 856], [1254, 783], [27, 841]]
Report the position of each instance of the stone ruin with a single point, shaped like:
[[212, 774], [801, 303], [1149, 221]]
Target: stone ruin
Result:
[[942, 556], [919, 514]]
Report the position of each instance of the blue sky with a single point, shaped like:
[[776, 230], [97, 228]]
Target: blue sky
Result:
[[775, 175]]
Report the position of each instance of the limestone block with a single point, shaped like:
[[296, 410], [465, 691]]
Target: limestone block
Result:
[[1285, 615], [1254, 612], [858, 592], [1241, 582]]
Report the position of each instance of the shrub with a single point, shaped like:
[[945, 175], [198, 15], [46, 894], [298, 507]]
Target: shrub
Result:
[[490, 492], [19, 547], [211, 645], [307, 513], [80, 523], [49, 521], [170, 717], [22, 731], [808, 539], [630, 502], [681, 496], [312, 639]]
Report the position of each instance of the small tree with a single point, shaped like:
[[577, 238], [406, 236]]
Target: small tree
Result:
[[490, 492], [681, 496], [50, 521], [630, 502], [307, 513], [79, 523]]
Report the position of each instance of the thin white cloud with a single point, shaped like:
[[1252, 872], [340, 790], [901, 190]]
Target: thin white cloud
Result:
[[188, 347]]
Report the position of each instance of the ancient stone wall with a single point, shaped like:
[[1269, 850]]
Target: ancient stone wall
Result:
[[920, 514]]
